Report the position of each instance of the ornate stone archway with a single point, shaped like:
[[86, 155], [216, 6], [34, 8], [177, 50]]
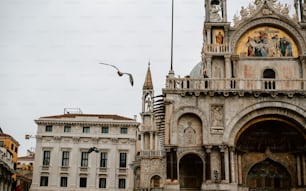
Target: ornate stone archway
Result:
[[268, 175]]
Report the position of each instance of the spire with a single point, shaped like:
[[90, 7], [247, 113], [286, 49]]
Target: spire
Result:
[[148, 81]]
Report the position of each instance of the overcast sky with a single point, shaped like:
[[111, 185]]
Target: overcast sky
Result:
[[50, 50]]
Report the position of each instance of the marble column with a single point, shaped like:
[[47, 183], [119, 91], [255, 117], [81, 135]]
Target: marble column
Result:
[[224, 13], [151, 141], [208, 63], [142, 146], [208, 37], [233, 167], [207, 174], [239, 170], [224, 150]]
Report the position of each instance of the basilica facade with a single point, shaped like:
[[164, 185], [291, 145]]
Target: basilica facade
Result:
[[237, 120]]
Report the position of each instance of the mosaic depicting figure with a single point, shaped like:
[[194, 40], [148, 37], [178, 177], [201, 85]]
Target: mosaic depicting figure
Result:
[[267, 42]]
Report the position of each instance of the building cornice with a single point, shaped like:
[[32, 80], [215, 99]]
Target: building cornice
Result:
[[86, 123]]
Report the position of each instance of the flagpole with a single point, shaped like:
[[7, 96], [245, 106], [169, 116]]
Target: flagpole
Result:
[[171, 62]]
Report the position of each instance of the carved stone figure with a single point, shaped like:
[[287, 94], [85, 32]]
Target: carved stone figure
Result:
[[258, 2], [217, 116], [214, 13], [243, 12], [285, 10]]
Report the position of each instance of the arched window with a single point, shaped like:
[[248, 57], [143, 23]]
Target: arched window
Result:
[[269, 79], [269, 73], [155, 183]]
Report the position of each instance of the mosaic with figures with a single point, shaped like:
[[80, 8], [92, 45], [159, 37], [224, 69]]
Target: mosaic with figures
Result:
[[266, 42]]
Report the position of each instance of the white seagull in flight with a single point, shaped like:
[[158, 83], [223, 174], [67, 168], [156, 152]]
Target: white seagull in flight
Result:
[[121, 73]]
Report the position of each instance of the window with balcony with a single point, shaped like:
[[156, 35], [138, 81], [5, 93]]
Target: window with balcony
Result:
[[64, 182], [269, 79], [65, 158], [123, 130], [46, 158], [49, 128], [103, 160], [84, 159], [122, 160], [44, 180], [102, 182]]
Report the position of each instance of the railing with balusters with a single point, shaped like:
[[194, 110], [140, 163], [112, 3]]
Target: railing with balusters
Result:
[[235, 84], [216, 48]]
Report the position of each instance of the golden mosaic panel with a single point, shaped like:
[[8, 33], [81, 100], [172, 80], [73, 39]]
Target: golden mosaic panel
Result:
[[266, 42]]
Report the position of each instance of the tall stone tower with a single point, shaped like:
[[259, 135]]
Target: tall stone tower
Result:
[[150, 172], [237, 121]]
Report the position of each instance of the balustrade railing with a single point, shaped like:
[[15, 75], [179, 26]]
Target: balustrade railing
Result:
[[216, 48], [152, 154], [235, 84]]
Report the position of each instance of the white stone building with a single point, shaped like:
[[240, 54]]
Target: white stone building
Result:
[[62, 160]]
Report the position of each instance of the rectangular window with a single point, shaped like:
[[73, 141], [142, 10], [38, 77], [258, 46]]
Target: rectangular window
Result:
[[44, 180], [48, 128], [121, 183], [46, 158], [122, 162], [104, 130], [123, 130], [86, 129], [102, 182], [83, 182], [1, 144], [64, 181], [103, 161], [65, 158], [84, 159], [67, 129]]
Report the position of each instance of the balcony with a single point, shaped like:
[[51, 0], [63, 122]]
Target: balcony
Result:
[[235, 86], [122, 171], [216, 49], [64, 168]]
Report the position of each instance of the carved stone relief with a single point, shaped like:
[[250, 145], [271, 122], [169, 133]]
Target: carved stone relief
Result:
[[217, 118]]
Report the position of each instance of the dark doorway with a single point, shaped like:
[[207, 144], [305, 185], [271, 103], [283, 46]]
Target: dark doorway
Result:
[[191, 172], [268, 175]]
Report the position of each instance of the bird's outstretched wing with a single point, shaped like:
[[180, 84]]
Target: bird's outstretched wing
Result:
[[131, 78], [111, 66], [121, 73]]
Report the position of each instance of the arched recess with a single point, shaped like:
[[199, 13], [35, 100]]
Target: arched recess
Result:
[[241, 121], [275, 133], [290, 28], [156, 182], [189, 130], [197, 114], [272, 132], [268, 175], [190, 172]]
